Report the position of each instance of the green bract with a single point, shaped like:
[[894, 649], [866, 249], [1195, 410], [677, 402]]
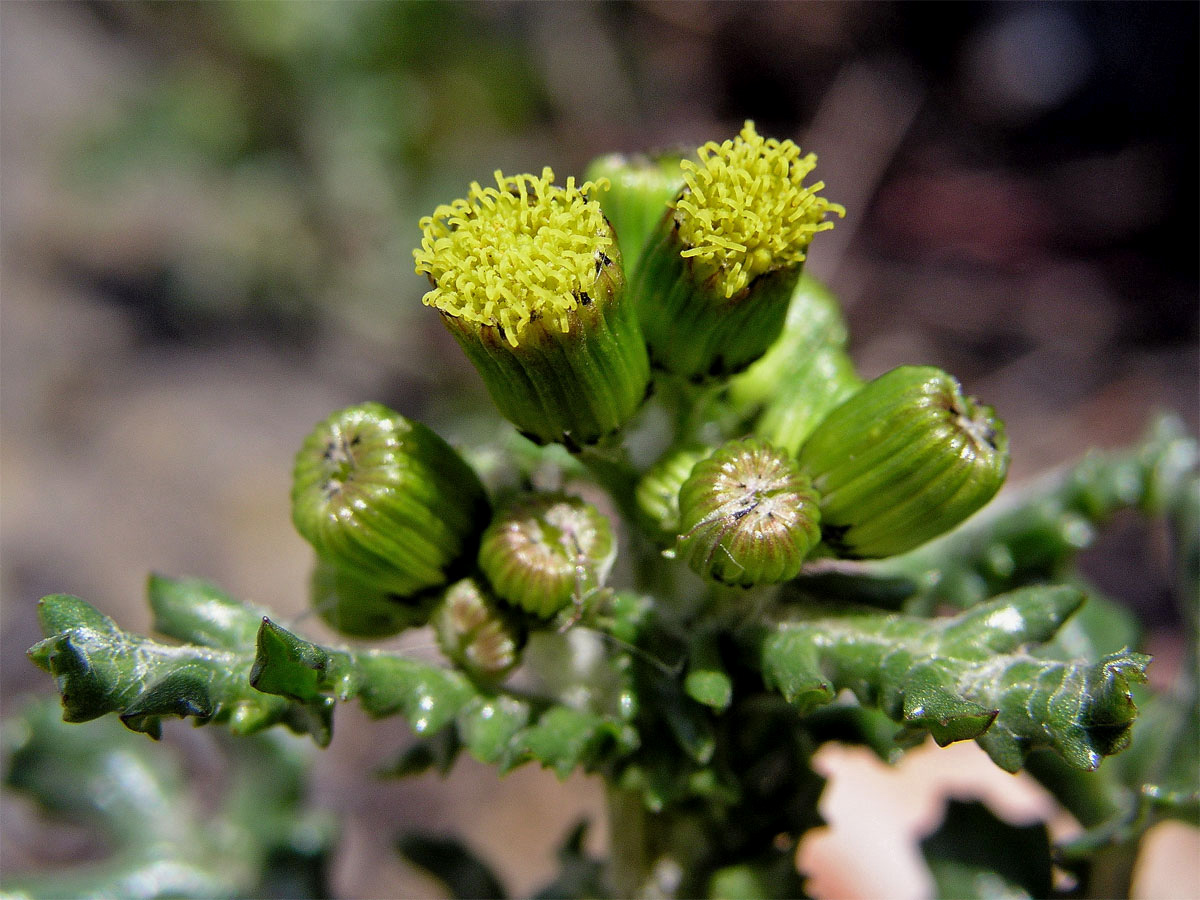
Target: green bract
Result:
[[804, 375], [527, 276], [475, 634], [814, 324], [905, 459], [386, 499], [544, 549], [747, 515]]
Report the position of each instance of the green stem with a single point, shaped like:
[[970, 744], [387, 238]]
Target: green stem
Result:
[[629, 858]]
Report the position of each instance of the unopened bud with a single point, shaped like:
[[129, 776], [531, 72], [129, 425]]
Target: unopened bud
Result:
[[635, 200], [386, 500], [545, 549], [905, 459], [476, 634], [657, 492], [748, 515], [361, 610]]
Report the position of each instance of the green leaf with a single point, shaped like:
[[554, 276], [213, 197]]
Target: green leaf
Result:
[[101, 669], [197, 612], [487, 726], [706, 681], [495, 728], [963, 677], [384, 683], [564, 737], [280, 678], [451, 862], [289, 666], [975, 855]]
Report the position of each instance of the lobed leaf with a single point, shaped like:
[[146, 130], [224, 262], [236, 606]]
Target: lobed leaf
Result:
[[965, 677], [496, 728], [99, 669]]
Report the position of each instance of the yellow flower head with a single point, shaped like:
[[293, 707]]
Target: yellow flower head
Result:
[[524, 250], [744, 210]]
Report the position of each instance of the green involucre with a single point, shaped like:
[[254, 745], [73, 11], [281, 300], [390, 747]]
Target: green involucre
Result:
[[692, 329], [574, 387], [386, 500], [544, 549], [476, 634], [748, 515], [527, 277], [814, 323], [905, 459], [657, 492], [714, 280]]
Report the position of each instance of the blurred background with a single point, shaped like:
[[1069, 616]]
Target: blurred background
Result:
[[207, 213]]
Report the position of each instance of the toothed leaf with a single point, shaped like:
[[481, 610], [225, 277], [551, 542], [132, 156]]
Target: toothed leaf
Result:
[[99, 669], [964, 677], [494, 727]]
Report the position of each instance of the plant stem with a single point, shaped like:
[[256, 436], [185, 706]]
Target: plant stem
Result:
[[629, 859]]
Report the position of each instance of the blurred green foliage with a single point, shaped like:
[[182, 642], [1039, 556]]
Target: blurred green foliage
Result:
[[304, 140]]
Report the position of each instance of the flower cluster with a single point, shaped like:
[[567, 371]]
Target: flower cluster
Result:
[[571, 323]]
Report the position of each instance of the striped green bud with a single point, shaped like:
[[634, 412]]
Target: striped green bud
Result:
[[639, 188], [657, 492], [715, 279], [748, 515], [357, 609], [476, 634], [386, 500], [543, 550], [905, 459], [527, 277]]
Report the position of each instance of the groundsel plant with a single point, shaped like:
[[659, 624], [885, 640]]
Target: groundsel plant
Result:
[[762, 551]]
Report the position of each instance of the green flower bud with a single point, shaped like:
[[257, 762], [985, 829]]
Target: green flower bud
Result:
[[543, 550], [657, 493], [639, 188], [527, 276], [748, 515], [905, 459], [386, 500], [814, 323], [358, 609], [478, 636], [713, 285]]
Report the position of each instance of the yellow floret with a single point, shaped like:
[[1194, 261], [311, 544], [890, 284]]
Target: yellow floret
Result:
[[745, 211], [507, 255]]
